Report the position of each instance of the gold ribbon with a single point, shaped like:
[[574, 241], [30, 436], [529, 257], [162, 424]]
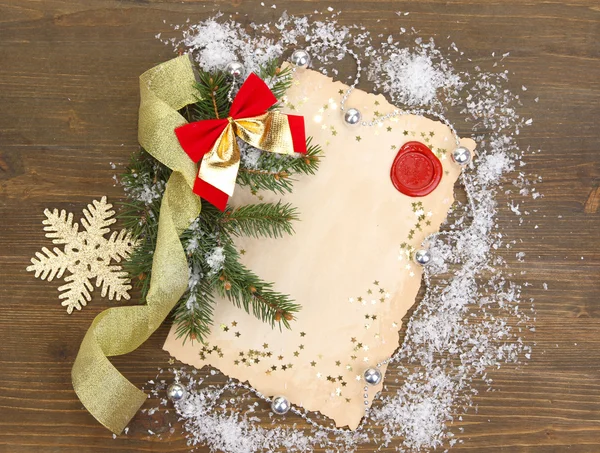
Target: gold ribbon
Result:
[[269, 132], [102, 389]]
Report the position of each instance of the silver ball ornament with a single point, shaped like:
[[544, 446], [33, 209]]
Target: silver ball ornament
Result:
[[280, 405], [461, 155], [372, 376], [300, 58], [235, 68], [352, 116], [176, 392], [423, 257]]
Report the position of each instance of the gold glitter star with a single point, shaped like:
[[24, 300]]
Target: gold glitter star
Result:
[[358, 139], [171, 361], [301, 346], [280, 357], [405, 132], [353, 340], [242, 252], [273, 367], [234, 323], [341, 91], [302, 334], [338, 363], [237, 334], [268, 372], [313, 363], [296, 353], [265, 345], [389, 129]]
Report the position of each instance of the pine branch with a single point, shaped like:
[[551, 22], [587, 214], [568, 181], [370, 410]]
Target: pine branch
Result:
[[264, 219], [144, 184], [275, 172], [193, 316], [246, 290], [212, 103]]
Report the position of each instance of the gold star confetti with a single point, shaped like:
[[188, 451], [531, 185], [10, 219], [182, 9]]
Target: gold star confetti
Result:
[[358, 139]]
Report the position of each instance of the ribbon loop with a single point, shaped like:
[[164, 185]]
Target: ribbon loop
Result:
[[214, 142]]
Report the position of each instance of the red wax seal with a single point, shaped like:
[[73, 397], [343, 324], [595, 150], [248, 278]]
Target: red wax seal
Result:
[[416, 171]]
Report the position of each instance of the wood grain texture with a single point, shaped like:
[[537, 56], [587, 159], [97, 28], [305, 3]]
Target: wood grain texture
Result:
[[68, 107]]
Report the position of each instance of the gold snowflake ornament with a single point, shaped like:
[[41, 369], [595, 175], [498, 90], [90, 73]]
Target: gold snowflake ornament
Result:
[[86, 255]]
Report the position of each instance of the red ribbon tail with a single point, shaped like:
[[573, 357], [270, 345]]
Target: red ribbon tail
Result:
[[211, 194], [296, 123]]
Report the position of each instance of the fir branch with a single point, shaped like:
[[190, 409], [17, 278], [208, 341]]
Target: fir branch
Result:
[[193, 315], [213, 102], [274, 172], [246, 290], [264, 219]]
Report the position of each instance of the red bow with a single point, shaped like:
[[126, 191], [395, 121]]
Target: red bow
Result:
[[214, 142]]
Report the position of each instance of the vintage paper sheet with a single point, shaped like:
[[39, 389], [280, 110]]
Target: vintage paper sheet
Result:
[[346, 264]]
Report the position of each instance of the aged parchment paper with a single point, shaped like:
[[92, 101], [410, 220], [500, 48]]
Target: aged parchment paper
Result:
[[346, 265]]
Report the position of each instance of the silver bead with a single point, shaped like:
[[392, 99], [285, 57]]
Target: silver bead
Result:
[[176, 392], [372, 376], [461, 155], [280, 405], [235, 68], [300, 58], [423, 257], [352, 117]]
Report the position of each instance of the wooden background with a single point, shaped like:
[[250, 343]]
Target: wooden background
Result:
[[68, 107]]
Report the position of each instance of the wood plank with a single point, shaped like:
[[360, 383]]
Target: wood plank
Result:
[[69, 99]]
